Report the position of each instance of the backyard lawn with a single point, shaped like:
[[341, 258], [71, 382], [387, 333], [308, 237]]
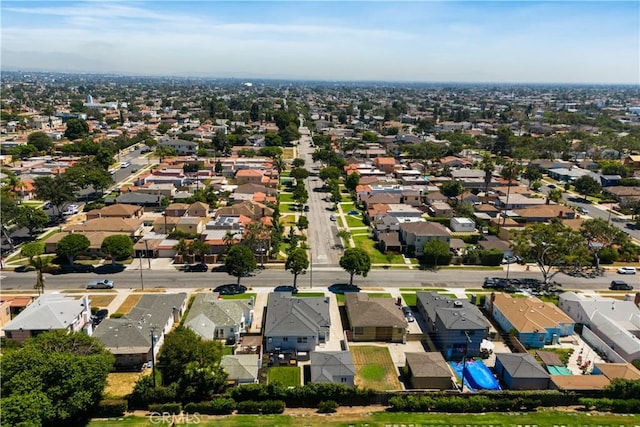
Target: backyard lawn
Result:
[[120, 384], [285, 375], [374, 368]]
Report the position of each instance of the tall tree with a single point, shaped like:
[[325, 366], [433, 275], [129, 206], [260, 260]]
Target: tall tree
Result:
[[352, 181], [297, 262], [76, 128], [587, 186], [34, 251], [510, 172], [8, 212], [240, 261], [555, 194], [199, 248], [55, 378], [487, 165], [355, 261], [72, 245], [452, 189], [435, 250], [118, 246], [31, 217], [41, 141], [599, 234], [56, 189]]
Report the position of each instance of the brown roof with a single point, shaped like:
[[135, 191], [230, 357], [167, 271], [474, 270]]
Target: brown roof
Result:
[[116, 210], [425, 228], [530, 314], [125, 225], [365, 312], [618, 370], [95, 237], [428, 365], [580, 382], [544, 211]]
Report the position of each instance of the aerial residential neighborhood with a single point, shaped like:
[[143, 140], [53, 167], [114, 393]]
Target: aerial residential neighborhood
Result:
[[310, 216]]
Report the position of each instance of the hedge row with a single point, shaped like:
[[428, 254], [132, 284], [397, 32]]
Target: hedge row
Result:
[[307, 396], [161, 408], [496, 402], [111, 408], [623, 406], [261, 407], [221, 406]]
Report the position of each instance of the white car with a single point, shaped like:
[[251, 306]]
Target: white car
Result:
[[125, 164], [627, 270], [71, 210]]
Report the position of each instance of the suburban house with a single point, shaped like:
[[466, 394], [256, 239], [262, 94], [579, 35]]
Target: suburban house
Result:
[[191, 224], [251, 176], [241, 368], [462, 225], [253, 210], [10, 307], [181, 146], [116, 211], [95, 241], [428, 371], [137, 337], [416, 234], [132, 227], [615, 371], [218, 319], [51, 312], [584, 383], [521, 371], [456, 327], [374, 319], [298, 324], [440, 209], [385, 164], [615, 323], [518, 201], [176, 209], [545, 213], [138, 198], [535, 322], [332, 367], [198, 209]]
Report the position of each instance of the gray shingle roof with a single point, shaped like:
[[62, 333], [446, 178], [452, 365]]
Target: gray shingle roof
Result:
[[241, 367], [370, 312], [326, 365], [428, 365], [521, 365], [288, 316], [48, 312], [208, 312], [455, 314]]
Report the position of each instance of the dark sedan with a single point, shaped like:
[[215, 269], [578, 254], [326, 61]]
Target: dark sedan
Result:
[[200, 268], [286, 288], [230, 289], [341, 288]]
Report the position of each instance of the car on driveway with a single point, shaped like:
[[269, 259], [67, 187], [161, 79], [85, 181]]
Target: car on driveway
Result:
[[99, 316], [286, 288], [620, 285], [408, 314], [201, 268], [230, 289], [627, 270], [100, 284], [342, 288]]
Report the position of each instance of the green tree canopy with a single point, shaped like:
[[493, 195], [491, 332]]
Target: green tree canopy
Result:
[[72, 245], [352, 181], [34, 251], [40, 140], [31, 218], [55, 378], [297, 262], [118, 247], [76, 128], [452, 189], [355, 261], [297, 162], [240, 261], [330, 172], [436, 250], [587, 185], [300, 174], [56, 189]]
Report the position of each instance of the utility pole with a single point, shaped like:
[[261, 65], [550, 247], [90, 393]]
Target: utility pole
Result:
[[141, 279], [311, 269], [153, 354], [146, 246]]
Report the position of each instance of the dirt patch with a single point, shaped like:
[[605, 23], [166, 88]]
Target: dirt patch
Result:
[[375, 368], [120, 384], [101, 300], [128, 304]]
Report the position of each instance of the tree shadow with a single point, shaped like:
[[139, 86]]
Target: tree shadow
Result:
[[110, 269]]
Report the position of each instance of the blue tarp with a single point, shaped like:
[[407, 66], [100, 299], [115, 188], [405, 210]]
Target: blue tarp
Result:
[[477, 375]]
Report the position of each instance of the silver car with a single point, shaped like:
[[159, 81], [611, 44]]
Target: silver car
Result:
[[100, 284]]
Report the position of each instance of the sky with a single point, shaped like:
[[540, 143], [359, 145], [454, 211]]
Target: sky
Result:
[[420, 41]]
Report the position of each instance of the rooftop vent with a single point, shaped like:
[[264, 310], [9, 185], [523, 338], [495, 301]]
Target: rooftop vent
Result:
[[457, 304]]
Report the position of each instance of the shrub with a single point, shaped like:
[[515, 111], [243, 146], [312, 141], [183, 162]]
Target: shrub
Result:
[[144, 393], [327, 407], [249, 407], [116, 315], [111, 408], [272, 407], [171, 408], [221, 406]]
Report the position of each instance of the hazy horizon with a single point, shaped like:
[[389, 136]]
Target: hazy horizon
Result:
[[476, 42]]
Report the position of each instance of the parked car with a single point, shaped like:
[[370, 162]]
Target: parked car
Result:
[[286, 288], [408, 314], [353, 212], [71, 210], [620, 285], [125, 165], [332, 217], [47, 205], [582, 210], [627, 270], [341, 288], [230, 289], [100, 284], [511, 259], [100, 316], [76, 268], [551, 186], [201, 268], [306, 208]]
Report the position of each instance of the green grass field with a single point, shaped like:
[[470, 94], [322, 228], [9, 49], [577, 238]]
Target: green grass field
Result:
[[377, 257], [379, 294], [409, 299], [385, 419], [308, 294], [375, 368], [285, 375], [287, 208], [354, 221], [239, 296], [286, 197]]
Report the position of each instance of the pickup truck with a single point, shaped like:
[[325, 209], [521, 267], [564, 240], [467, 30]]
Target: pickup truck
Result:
[[100, 284]]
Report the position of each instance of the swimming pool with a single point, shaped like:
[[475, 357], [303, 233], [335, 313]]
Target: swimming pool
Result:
[[477, 375]]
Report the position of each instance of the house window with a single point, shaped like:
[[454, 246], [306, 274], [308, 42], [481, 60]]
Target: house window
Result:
[[343, 379], [285, 339], [358, 331], [302, 340]]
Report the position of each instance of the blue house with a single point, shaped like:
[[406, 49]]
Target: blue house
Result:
[[535, 322]]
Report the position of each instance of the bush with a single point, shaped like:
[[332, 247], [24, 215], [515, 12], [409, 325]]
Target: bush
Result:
[[221, 406], [116, 315], [171, 408], [327, 407], [111, 408], [249, 407], [272, 407], [144, 393]]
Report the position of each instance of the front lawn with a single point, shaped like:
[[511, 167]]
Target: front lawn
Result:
[[410, 299], [354, 221], [374, 368], [120, 384], [239, 296], [379, 295], [285, 375], [287, 220], [377, 257], [346, 207], [285, 198], [308, 294], [287, 208]]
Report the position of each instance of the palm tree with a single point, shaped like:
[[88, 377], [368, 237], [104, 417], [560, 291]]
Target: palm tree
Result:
[[487, 166], [199, 248], [256, 236], [510, 171], [182, 248], [34, 251], [279, 164]]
